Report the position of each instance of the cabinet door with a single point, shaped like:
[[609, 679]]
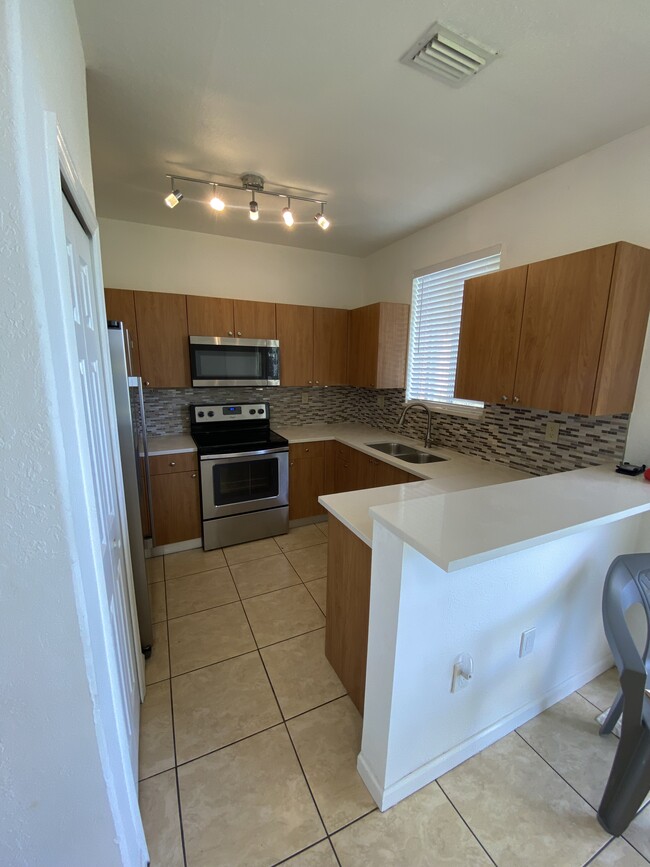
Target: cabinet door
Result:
[[392, 345], [363, 346], [330, 346], [255, 319], [489, 336], [343, 468], [121, 307], [176, 507], [362, 471], [210, 317], [562, 330], [306, 481], [296, 335], [162, 335]]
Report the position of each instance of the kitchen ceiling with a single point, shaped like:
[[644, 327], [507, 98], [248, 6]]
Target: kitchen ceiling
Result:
[[312, 96]]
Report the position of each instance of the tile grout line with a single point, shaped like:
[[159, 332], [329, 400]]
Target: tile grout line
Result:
[[465, 822]]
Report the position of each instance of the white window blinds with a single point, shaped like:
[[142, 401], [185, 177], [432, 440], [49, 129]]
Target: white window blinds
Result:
[[435, 328]]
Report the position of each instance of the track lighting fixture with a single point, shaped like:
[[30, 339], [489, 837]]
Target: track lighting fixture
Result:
[[174, 197], [215, 202], [287, 216], [321, 219], [253, 184]]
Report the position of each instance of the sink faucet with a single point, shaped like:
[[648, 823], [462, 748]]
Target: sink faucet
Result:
[[427, 438]]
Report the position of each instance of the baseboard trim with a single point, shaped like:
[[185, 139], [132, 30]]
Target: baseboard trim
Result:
[[427, 773], [175, 547]]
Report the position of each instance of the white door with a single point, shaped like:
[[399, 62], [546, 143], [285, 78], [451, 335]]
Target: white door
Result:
[[124, 673]]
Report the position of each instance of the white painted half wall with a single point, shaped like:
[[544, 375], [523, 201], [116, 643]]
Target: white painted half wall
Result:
[[158, 259]]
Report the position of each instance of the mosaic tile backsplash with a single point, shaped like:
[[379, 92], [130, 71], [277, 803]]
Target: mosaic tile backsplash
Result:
[[507, 435]]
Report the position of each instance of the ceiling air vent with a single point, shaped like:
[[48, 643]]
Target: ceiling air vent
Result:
[[448, 56]]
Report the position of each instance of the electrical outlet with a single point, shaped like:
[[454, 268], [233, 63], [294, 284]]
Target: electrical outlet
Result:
[[380, 401], [305, 397], [527, 642], [552, 434]]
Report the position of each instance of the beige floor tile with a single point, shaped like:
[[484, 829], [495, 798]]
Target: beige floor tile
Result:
[[156, 752], [247, 804], [602, 690], [320, 855], [638, 833], [619, 854], [157, 666], [421, 831], [250, 551], [566, 736], [222, 703], [310, 563], [300, 537], [199, 591], [207, 637], [155, 569], [194, 560], [324, 527], [262, 576], [520, 809], [162, 828], [328, 741], [158, 602], [283, 614], [301, 675], [318, 590]]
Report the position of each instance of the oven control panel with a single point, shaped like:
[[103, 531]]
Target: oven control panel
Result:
[[210, 413]]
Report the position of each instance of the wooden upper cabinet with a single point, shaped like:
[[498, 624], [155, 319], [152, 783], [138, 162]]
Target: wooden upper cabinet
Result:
[[162, 335], [330, 346], [210, 317], [295, 325], [489, 336], [562, 330], [378, 345], [625, 331], [120, 306], [255, 319]]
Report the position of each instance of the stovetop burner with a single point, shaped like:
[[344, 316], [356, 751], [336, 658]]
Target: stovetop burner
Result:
[[233, 428]]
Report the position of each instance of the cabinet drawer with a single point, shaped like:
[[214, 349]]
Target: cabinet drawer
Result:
[[306, 450], [180, 463]]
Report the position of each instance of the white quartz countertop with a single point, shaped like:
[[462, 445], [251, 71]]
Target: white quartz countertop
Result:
[[172, 444], [463, 528]]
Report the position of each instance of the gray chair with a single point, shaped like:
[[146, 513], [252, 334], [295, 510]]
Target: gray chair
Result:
[[627, 583]]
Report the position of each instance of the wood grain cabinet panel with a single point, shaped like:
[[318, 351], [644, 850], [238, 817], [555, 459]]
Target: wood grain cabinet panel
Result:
[[295, 325], [176, 507], [175, 463], [330, 346], [348, 608], [255, 319], [378, 344], [210, 317], [163, 338], [306, 479], [562, 330], [493, 306], [120, 306]]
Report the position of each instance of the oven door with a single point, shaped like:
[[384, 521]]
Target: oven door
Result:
[[234, 361], [239, 483]]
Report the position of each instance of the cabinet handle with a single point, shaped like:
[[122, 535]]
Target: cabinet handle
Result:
[[230, 334], [306, 450], [193, 475], [309, 382], [146, 382], [172, 463], [516, 399], [290, 463], [316, 382], [504, 397], [239, 334]]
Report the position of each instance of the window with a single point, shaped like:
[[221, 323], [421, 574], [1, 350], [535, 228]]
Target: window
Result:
[[435, 329]]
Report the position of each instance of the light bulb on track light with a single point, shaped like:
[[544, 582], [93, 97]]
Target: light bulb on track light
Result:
[[254, 210], [174, 197], [321, 219], [215, 202], [287, 216]]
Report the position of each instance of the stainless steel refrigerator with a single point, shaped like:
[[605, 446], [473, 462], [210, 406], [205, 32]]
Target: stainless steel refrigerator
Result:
[[132, 432]]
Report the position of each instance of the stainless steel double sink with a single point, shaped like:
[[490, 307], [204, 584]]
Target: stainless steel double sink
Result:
[[405, 453]]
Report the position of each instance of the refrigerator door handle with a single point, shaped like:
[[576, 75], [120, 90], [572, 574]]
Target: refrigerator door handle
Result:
[[145, 450]]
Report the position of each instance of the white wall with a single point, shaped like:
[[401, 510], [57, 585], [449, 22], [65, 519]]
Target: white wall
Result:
[[55, 806], [600, 197], [157, 259]]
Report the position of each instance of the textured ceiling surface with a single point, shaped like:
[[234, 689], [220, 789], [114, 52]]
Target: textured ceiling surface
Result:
[[312, 96]]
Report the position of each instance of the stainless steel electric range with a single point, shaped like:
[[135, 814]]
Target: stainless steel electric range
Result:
[[244, 473]]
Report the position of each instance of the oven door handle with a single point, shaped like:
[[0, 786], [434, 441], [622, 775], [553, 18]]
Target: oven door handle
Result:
[[244, 455]]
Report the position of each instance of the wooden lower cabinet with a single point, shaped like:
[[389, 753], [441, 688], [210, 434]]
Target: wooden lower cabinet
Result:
[[348, 607], [306, 479], [175, 498]]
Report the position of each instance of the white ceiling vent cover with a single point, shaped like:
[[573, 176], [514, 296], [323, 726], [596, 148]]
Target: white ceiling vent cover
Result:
[[448, 56]]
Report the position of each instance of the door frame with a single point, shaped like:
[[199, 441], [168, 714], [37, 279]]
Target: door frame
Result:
[[92, 606]]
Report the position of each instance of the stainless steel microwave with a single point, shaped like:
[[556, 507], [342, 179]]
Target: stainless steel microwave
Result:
[[234, 361]]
